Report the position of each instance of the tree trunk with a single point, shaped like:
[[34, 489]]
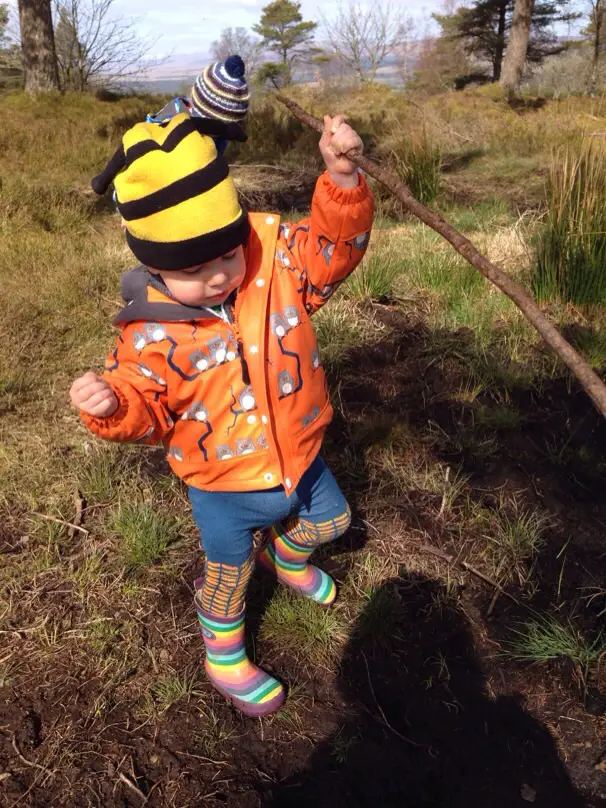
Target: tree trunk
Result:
[[517, 47], [598, 24], [38, 46], [500, 47]]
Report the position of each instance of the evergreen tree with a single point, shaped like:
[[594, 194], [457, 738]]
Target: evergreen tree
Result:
[[286, 33], [484, 29]]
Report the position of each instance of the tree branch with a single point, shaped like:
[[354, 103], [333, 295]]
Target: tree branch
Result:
[[591, 382]]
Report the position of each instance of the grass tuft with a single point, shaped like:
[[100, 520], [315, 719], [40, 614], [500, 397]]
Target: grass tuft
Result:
[[339, 327], [546, 639], [571, 250], [146, 535], [303, 630], [516, 536], [376, 277], [171, 688]]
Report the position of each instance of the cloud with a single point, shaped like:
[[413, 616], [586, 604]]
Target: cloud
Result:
[[190, 27]]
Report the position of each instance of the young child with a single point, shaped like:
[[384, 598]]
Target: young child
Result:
[[217, 358], [220, 92]]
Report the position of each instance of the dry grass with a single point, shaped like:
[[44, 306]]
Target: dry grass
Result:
[[112, 644]]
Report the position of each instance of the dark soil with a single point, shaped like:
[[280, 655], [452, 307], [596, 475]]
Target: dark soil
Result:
[[434, 716]]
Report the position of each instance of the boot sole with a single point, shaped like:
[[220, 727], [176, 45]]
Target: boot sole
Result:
[[247, 708]]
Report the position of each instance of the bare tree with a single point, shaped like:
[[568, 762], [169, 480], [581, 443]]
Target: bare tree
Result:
[[238, 40], [407, 49], [517, 46], [94, 46], [362, 37], [38, 46], [11, 62]]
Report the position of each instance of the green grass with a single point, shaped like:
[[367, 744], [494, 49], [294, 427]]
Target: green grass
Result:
[[571, 250], [516, 535], [171, 688], [103, 636], [375, 278], [500, 416], [340, 326], [146, 533], [303, 630], [407, 472], [378, 622], [61, 255], [484, 216], [211, 741], [592, 344], [546, 639], [342, 744], [417, 157]]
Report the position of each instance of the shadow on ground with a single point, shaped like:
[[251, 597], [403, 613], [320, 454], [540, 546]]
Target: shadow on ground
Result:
[[443, 741]]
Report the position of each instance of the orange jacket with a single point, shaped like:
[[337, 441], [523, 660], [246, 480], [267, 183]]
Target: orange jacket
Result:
[[240, 406]]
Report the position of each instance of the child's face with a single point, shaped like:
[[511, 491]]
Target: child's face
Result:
[[206, 284]]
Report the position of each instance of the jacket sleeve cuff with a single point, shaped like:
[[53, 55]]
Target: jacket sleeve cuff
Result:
[[107, 427], [344, 196]]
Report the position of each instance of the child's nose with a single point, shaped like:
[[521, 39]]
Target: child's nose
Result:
[[219, 279]]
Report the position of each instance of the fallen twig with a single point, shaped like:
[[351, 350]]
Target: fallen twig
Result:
[[443, 505], [428, 548], [591, 382], [493, 603], [61, 522], [30, 763], [133, 786], [76, 524], [380, 709]]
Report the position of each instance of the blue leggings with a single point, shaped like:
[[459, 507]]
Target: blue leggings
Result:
[[227, 519]]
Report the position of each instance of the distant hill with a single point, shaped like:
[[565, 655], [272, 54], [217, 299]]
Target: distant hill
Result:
[[178, 72]]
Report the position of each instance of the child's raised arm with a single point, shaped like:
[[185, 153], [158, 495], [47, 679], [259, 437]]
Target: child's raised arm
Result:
[[329, 245]]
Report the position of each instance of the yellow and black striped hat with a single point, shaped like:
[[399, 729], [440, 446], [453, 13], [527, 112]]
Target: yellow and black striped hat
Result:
[[173, 190]]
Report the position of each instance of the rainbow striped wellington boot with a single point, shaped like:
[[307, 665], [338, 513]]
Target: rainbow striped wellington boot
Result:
[[287, 561], [251, 690]]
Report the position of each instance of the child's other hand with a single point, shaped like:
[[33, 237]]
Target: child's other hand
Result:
[[337, 140], [93, 395]]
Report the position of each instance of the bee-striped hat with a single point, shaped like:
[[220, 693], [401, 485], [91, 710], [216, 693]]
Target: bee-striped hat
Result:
[[173, 190]]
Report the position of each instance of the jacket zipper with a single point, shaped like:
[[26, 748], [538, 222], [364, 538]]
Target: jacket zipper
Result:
[[229, 311]]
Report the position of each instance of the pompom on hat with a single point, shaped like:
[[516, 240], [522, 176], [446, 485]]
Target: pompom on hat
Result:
[[221, 91], [173, 190]]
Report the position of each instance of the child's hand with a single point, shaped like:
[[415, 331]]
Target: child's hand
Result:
[[93, 395], [337, 140]]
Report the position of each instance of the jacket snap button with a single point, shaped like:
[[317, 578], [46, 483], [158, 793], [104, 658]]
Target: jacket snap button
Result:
[[270, 220], [269, 477], [260, 282], [288, 482]]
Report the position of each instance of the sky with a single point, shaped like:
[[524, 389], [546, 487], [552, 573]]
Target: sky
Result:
[[190, 26]]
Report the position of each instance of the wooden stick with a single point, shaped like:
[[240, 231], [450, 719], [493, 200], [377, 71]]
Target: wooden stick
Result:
[[61, 522], [591, 382]]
